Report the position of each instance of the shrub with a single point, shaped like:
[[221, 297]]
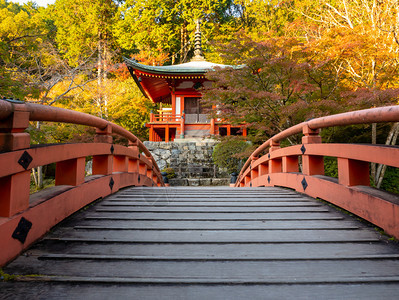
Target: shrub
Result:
[[231, 154], [170, 171]]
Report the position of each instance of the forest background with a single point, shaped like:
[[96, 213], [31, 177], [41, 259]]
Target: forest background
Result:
[[303, 59]]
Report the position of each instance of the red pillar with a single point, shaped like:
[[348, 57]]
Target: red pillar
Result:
[[212, 130], [275, 165], [353, 172], [167, 134], [102, 164], [312, 164], [151, 134], [14, 189], [70, 172], [183, 116]]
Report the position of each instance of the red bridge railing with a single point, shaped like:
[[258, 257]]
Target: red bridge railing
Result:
[[301, 167], [23, 217]]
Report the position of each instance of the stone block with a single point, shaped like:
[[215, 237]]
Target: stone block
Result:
[[193, 182], [176, 152], [178, 182], [205, 181], [220, 181], [165, 155], [162, 164], [165, 146]]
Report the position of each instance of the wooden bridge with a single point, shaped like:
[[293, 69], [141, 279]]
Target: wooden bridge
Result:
[[267, 238]]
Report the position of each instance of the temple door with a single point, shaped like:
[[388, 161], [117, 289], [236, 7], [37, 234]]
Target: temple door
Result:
[[193, 110]]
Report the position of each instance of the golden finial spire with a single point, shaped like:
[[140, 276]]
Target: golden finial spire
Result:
[[197, 43]]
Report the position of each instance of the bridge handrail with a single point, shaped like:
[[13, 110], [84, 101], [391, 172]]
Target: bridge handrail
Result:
[[25, 217], [301, 167], [45, 113], [366, 116]]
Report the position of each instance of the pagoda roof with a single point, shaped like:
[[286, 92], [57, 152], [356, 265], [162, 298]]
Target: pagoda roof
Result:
[[190, 68], [155, 82]]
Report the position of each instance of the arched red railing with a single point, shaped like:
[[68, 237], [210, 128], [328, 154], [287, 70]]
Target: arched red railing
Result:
[[351, 190], [23, 217]]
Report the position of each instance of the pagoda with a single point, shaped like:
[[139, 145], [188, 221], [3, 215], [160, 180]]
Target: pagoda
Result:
[[177, 90]]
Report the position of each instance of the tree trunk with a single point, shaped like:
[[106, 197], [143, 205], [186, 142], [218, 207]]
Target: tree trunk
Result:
[[391, 140], [373, 141], [183, 42], [99, 78], [40, 177], [35, 179]]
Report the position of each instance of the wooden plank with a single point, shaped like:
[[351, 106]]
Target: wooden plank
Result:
[[231, 236], [216, 243], [214, 204], [271, 215], [218, 225], [209, 210], [281, 271], [226, 251], [56, 290]]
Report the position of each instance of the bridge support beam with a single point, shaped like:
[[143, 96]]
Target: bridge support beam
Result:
[[102, 164], [275, 165], [70, 172], [290, 164], [353, 172], [120, 163], [254, 170], [311, 164], [14, 194], [16, 186]]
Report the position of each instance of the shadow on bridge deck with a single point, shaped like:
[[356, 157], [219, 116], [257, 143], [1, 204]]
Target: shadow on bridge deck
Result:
[[215, 243]]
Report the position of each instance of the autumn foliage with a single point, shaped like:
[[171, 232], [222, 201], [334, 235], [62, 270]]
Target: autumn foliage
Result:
[[300, 58]]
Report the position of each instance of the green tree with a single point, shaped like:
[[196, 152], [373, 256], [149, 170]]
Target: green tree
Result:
[[21, 33], [84, 35], [157, 26]]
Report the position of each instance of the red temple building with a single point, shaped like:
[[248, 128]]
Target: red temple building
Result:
[[176, 89]]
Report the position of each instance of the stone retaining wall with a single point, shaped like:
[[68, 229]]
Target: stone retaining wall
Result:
[[190, 159]]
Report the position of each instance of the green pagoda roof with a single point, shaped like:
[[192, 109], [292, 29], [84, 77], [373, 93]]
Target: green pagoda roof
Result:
[[193, 67]]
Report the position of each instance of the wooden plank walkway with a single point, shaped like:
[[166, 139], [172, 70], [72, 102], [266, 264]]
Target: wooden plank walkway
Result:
[[207, 243]]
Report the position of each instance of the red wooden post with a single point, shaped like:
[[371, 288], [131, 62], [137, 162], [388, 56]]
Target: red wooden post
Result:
[[149, 170], [263, 169], [247, 179], [151, 134], [120, 163], [102, 164], [182, 125], [167, 133], [254, 170], [212, 131], [104, 135], [275, 165], [151, 117], [290, 164], [70, 172], [228, 130], [311, 164], [142, 168], [14, 189], [353, 172], [133, 165], [12, 135]]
